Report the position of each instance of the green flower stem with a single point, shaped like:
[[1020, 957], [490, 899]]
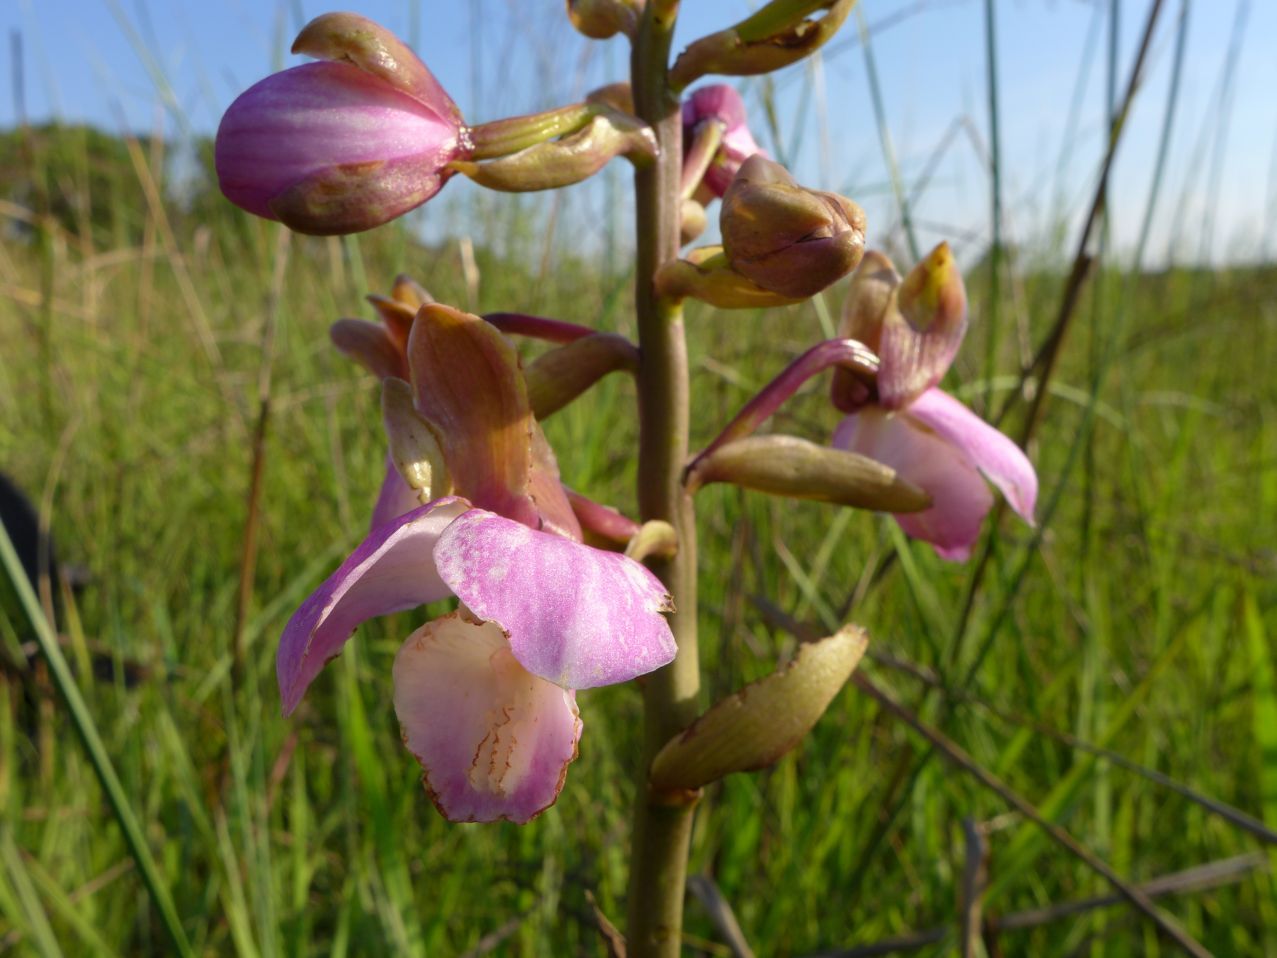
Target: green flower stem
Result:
[[503, 137], [662, 828]]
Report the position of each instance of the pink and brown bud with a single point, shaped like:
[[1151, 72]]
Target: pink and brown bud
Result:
[[788, 239], [719, 104], [915, 325], [600, 19], [341, 145]]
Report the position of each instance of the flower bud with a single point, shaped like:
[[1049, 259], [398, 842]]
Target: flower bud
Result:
[[785, 238], [600, 19], [719, 104], [343, 145]]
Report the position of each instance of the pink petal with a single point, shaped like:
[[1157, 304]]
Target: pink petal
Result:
[[320, 117], [392, 570], [577, 616], [721, 102], [960, 497], [1001, 461], [395, 499], [495, 740]]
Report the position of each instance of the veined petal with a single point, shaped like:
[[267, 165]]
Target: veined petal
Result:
[[1001, 461], [547, 492], [577, 616], [494, 740], [392, 570], [960, 497], [395, 499]]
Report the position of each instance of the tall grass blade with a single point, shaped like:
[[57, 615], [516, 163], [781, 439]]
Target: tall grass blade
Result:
[[87, 729]]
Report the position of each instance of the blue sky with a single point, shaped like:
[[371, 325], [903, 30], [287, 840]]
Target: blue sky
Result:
[[141, 65]]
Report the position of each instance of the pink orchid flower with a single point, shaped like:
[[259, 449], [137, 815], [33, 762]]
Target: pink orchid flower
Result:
[[720, 103], [344, 144], [927, 436], [485, 695]]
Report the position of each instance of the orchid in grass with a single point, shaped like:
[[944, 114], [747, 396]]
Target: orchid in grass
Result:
[[931, 439], [486, 694]]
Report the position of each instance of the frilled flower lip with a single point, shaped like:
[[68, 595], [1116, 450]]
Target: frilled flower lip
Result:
[[494, 741], [944, 448], [332, 118], [574, 615]]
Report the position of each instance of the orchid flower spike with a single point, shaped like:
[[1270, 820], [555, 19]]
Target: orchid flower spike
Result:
[[344, 144], [718, 104], [930, 438]]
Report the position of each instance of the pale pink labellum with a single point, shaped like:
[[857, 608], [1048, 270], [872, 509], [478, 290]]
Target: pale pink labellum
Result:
[[396, 498], [577, 616], [494, 740], [1001, 461], [960, 496], [392, 570]]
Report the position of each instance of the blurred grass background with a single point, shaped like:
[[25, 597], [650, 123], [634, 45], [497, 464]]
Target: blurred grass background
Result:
[[140, 333]]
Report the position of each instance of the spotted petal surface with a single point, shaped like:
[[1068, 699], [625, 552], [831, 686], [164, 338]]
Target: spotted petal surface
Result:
[[494, 740], [577, 616], [392, 570]]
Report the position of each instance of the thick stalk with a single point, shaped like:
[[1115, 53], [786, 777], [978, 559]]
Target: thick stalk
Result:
[[662, 829]]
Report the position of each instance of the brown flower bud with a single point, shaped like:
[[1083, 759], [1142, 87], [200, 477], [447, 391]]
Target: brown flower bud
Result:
[[786, 238], [600, 19]]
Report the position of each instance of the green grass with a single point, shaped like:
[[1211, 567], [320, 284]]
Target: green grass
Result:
[[1138, 618]]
